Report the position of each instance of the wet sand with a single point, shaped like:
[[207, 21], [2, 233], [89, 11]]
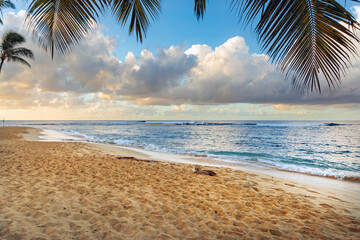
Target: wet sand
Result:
[[71, 190]]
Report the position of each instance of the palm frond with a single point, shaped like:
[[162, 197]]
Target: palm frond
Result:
[[200, 8], [5, 4], [60, 24], [11, 39], [139, 12], [7, 50], [309, 39], [18, 59], [21, 52]]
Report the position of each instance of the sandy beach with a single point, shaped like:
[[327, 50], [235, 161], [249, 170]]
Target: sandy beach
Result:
[[72, 190]]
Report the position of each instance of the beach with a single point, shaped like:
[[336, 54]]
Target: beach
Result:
[[73, 190]]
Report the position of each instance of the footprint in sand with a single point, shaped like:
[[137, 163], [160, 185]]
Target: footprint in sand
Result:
[[290, 185], [336, 198], [326, 205]]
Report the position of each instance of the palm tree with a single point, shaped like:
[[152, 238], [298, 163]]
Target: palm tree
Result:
[[9, 52], [5, 4], [308, 39]]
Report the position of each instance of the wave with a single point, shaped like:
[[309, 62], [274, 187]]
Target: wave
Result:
[[330, 173], [333, 124], [184, 123], [195, 123], [315, 171], [86, 123], [256, 160], [258, 124], [88, 138], [310, 124], [124, 142], [270, 161]]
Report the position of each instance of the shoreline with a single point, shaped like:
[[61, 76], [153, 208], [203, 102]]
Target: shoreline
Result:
[[349, 190], [322, 186], [72, 190], [53, 135], [190, 158]]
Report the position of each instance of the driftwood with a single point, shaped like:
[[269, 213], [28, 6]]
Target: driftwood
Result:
[[136, 159], [197, 170]]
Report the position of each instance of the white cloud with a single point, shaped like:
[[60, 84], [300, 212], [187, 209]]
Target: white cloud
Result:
[[229, 74]]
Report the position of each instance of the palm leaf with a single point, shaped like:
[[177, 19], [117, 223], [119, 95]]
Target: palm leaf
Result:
[[139, 12], [11, 39], [19, 60], [10, 53], [200, 8], [309, 39], [23, 52], [60, 24], [5, 4]]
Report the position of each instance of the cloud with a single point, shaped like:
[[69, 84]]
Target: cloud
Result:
[[229, 74], [219, 76], [83, 71], [91, 77]]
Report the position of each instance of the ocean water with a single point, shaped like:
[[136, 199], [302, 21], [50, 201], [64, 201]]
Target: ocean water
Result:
[[330, 149]]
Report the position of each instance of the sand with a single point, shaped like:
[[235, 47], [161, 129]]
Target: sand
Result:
[[71, 190]]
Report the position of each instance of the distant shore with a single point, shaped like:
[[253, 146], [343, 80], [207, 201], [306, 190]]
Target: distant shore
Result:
[[72, 190]]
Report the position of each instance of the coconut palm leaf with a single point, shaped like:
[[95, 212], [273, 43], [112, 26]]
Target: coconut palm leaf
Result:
[[309, 39], [7, 50], [138, 12], [60, 24], [11, 39], [19, 60], [5, 4], [200, 8], [23, 52]]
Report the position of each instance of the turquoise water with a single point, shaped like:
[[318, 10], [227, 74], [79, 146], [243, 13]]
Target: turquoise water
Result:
[[320, 148]]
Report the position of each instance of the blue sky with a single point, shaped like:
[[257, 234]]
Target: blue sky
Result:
[[185, 69], [178, 25]]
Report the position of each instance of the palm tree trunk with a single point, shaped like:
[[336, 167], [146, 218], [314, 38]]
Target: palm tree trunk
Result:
[[1, 63]]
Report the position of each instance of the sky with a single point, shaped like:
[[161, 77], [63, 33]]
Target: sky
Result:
[[212, 69]]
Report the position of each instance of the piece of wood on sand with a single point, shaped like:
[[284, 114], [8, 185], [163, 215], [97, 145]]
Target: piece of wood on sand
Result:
[[197, 170]]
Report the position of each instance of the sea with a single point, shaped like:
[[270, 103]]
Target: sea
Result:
[[322, 148]]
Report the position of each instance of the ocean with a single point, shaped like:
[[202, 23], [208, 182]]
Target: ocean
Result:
[[329, 149]]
